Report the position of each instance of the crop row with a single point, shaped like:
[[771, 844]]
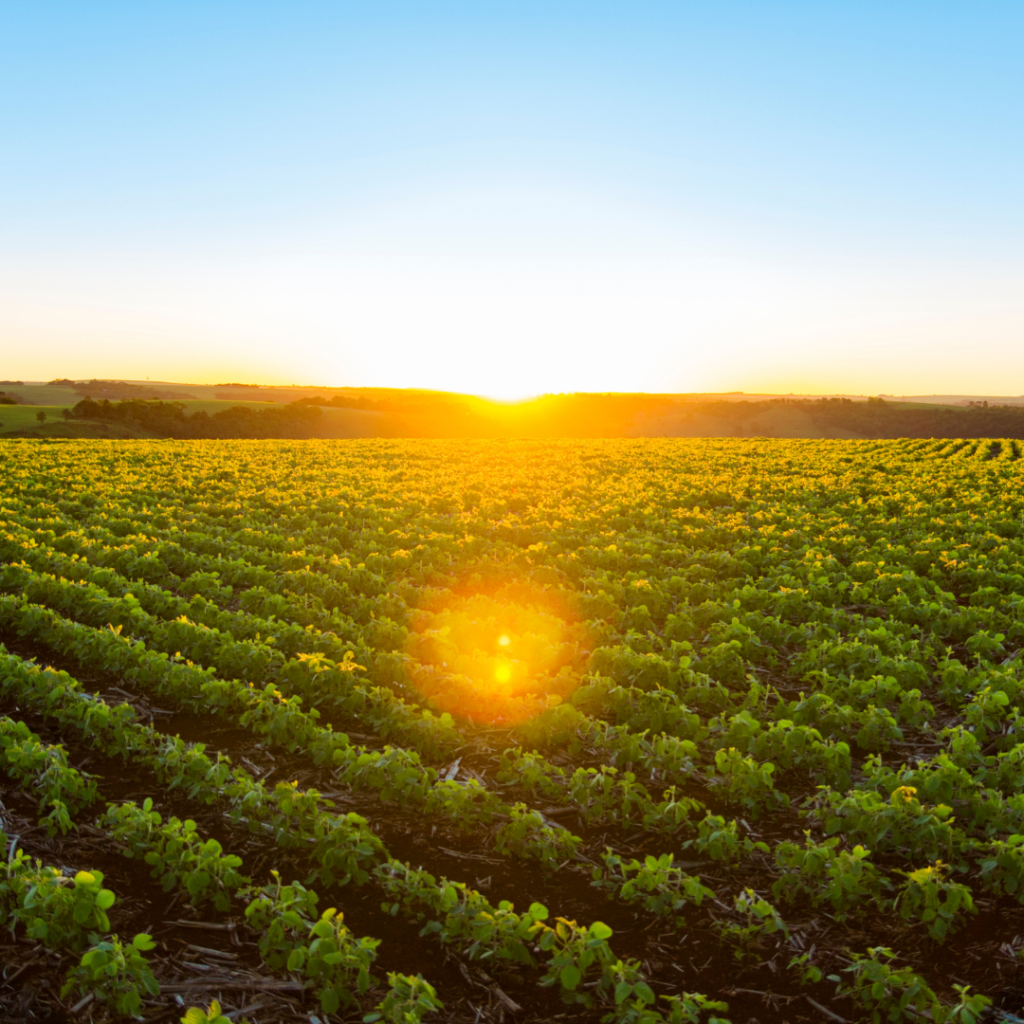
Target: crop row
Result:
[[469, 920], [598, 792], [291, 931], [816, 636], [293, 935]]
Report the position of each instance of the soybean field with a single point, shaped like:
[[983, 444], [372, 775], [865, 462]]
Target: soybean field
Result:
[[629, 731]]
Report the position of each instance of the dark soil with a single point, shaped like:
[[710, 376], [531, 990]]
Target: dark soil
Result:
[[691, 959]]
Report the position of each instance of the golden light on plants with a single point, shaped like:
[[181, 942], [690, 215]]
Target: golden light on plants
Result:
[[496, 658]]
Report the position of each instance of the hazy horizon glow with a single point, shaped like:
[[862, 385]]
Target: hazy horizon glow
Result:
[[659, 197]]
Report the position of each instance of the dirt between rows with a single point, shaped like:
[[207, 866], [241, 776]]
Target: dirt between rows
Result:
[[203, 954]]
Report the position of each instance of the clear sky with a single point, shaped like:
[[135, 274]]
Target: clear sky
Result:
[[511, 198]]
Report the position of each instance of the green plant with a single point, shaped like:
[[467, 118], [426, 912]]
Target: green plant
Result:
[[629, 989], [1002, 865], [671, 813], [408, 1001], [530, 772], [211, 1015], [747, 782], [57, 913], [896, 993], [45, 769], [886, 992], [719, 839], [928, 896], [279, 912], [602, 795], [115, 974], [758, 920], [901, 822], [526, 835], [322, 948], [466, 805], [809, 974], [687, 1008], [573, 953], [655, 883], [335, 961], [456, 913], [846, 879], [968, 1009], [789, 745], [176, 853]]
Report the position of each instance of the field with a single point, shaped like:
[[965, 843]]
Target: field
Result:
[[617, 731]]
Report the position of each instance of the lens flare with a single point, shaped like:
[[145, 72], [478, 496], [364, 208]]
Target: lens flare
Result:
[[497, 658]]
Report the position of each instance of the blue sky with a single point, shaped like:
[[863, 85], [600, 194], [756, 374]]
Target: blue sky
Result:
[[510, 199]]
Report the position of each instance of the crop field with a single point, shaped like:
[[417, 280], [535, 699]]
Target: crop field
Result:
[[632, 731]]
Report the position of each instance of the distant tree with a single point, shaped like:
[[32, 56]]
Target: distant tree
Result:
[[41, 416], [62, 382], [67, 414]]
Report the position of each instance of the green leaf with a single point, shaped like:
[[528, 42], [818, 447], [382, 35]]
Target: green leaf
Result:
[[570, 977], [329, 1000], [105, 899], [144, 942], [600, 930]]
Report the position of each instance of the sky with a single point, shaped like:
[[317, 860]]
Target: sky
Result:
[[515, 198]]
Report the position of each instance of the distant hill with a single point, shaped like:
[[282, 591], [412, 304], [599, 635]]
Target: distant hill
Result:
[[119, 390], [134, 408]]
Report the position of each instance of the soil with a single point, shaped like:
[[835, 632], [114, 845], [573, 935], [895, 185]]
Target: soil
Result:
[[204, 954]]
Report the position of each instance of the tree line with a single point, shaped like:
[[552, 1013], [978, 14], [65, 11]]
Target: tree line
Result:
[[170, 419]]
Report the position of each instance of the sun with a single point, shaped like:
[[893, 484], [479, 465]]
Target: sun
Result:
[[511, 394]]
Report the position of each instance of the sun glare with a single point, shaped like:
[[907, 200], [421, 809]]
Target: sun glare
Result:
[[513, 394], [497, 659]]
